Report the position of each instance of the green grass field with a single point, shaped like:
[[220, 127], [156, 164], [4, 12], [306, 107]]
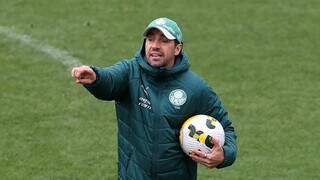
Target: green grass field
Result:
[[261, 56]]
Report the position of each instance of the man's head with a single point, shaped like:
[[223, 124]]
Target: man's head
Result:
[[163, 42]]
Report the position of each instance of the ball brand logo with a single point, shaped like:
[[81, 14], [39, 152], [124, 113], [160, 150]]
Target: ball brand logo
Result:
[[177, 97]]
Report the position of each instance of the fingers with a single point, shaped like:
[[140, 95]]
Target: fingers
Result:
[[79, 71], [83, 75], [199, 153], [209, 160], [200, 156], [75, 72], [215, 143], [212, 159], [83, 81]]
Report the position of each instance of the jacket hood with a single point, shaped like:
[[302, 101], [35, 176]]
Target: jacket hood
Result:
[[181, 65]]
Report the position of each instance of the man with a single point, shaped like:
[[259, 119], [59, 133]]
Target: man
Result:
[[154, 93]]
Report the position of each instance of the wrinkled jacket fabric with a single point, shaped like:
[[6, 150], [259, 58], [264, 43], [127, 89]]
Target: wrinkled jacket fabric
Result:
[[148, 123]]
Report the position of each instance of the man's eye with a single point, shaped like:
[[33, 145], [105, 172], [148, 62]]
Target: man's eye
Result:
[[165, 40], [149, 39]]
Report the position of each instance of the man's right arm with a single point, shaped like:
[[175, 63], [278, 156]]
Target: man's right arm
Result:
[[104, 83]]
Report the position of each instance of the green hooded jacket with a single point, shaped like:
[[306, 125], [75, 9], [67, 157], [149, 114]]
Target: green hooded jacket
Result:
[[150, 115]]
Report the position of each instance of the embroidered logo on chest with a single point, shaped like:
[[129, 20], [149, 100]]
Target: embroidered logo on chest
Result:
[[177, 97]]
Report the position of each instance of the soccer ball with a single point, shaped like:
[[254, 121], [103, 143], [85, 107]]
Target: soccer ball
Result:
[[197, 133]]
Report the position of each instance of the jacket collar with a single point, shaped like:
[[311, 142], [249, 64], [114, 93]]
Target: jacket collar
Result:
[[181, 65]]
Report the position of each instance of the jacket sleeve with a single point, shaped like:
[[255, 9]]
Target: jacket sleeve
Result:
[[213, 106], [111, 81]]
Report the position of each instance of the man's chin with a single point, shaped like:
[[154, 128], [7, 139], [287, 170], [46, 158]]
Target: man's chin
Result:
[[155, 63]]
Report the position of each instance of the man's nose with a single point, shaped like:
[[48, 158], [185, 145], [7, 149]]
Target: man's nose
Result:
[[155, 44]]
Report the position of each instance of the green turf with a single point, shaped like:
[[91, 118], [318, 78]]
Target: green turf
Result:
[[261, 56]]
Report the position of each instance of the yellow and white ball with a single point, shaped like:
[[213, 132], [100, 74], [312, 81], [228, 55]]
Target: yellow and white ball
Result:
[[197, 133]]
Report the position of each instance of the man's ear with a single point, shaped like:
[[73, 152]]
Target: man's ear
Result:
[[177, 49]]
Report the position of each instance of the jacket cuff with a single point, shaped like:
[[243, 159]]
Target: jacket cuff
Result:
[[229, 157]]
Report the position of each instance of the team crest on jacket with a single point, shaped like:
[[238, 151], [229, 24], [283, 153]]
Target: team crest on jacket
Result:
[[177, 97]]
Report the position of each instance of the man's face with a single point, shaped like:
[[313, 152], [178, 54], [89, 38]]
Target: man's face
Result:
[[160, 51]]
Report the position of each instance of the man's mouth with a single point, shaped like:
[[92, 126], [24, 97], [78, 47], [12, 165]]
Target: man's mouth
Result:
[[155, 55]]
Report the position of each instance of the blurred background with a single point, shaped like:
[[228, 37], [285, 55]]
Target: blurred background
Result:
[[260, 56]]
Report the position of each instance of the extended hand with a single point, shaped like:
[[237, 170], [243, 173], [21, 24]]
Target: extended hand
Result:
[[83, 75], [212, 159]]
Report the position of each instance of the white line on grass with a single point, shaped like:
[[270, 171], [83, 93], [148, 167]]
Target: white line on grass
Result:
[[60, 55]]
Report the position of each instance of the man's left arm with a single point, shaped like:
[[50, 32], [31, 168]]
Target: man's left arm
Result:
[[221, 156]]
